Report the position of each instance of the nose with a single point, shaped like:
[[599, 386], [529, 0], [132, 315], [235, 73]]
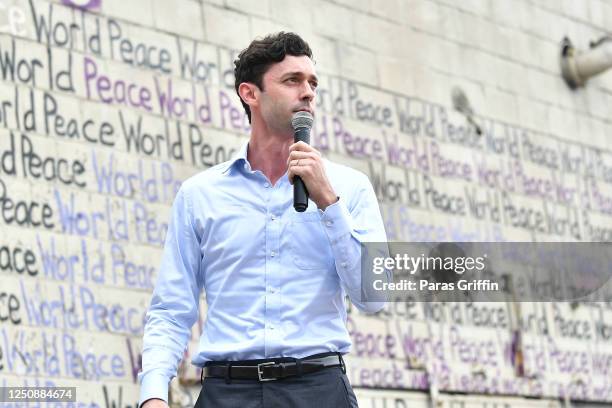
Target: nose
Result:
[[308, 93]]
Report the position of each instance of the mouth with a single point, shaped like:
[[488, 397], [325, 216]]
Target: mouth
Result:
[[305, 110]]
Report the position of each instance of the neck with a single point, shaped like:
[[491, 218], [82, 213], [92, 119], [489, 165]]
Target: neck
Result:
[[268, 151]]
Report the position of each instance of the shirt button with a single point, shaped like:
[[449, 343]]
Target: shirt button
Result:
[[271, 327], [272, 254], [273, 217], [266, 184], [329, 223], [343, 264]]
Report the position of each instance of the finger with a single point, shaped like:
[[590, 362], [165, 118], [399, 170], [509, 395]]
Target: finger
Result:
[[301, 146], [298, 155], [297, 171], [290, 175], [301, 160], [298, 163], [308, 148], [300, 171]]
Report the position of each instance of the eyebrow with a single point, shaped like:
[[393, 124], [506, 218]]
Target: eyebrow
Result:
[[300, 74]]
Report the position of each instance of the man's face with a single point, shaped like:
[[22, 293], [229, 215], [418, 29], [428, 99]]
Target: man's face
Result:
[[289, 87]]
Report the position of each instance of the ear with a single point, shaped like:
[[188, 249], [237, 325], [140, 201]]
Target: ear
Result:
[[249, 93]]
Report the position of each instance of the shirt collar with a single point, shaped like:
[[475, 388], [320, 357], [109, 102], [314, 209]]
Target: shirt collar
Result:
[[239, 157]]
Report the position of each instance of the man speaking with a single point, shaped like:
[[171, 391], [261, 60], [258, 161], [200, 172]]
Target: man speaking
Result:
[[275, 278]]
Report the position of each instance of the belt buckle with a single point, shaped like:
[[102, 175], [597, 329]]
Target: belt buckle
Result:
[[260, 371]]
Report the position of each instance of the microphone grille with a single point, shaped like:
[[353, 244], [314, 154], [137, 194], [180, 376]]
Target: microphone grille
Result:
[[301, 120]]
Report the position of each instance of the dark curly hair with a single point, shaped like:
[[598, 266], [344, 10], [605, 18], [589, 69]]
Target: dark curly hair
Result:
[[253, 62]]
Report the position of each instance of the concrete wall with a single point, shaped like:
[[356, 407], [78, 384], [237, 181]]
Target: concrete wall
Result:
[[105, 109]]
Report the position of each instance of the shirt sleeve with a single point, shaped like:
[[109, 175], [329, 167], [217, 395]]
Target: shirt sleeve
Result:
[[174, 305], [347, 230]]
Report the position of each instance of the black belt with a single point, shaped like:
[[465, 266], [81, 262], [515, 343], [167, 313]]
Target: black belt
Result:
[[271, 369]]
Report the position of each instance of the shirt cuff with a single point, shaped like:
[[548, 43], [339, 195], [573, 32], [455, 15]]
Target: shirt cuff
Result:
[[154, 384], [336, 219]]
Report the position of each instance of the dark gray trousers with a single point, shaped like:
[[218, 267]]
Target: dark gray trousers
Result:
[[327, 388]]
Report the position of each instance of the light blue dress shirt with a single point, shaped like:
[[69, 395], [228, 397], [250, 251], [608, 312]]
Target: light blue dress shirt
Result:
[[275, 279]]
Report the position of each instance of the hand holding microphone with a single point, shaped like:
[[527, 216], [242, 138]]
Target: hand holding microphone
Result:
[[301, 122], [306, 169]]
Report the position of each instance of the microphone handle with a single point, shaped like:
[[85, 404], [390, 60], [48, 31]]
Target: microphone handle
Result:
[[300, 193]]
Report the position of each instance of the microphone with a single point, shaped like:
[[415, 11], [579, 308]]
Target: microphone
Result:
[[301, 123]]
